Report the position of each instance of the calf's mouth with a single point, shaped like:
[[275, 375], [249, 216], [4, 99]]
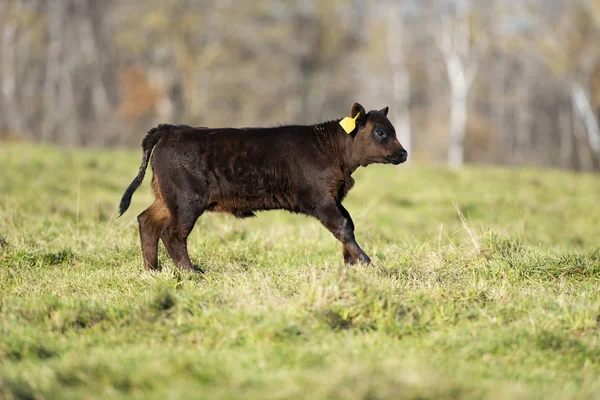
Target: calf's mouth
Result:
[[397, 158]]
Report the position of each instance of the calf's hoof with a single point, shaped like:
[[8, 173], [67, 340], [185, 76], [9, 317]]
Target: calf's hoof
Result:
[[363, 259], [198, 269], [349, 260], [194, 269]]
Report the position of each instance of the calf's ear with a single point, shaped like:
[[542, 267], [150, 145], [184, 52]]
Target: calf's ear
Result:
[[357, 118], [357, 108], [384, 110], [362, 118]]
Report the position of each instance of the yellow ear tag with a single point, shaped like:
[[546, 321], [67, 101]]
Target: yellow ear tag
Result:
[[348, 123]]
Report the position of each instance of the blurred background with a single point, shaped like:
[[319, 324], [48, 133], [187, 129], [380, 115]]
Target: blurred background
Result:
[[495, 81]]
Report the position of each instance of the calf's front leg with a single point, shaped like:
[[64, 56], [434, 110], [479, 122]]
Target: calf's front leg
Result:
[[348, 259], [337, 220]]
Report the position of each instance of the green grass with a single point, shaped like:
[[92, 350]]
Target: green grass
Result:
[[503, 305]]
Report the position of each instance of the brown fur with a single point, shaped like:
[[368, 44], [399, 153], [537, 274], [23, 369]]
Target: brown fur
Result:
[[302, 169]]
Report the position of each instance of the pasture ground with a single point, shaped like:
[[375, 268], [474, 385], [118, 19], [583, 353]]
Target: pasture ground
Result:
[[505, 304]]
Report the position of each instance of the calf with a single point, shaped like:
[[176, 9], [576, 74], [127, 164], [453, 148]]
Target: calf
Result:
[[302, 169]]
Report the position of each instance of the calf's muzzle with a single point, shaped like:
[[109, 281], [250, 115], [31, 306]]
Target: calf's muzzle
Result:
[[398, 157]]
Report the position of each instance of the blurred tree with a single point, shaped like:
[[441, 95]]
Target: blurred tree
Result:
[[516, 82], [395, 41], [569, 47], [462, 42]]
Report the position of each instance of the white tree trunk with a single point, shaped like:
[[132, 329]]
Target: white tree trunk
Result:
[[584, 154], [581, 103], [459, 91], [458, 125], [461, 57], [400, 79]]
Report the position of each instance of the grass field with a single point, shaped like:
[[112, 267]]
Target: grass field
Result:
[[505, 304]]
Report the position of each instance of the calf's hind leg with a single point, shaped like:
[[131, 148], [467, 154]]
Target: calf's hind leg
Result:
[[152, 221], [174, 235]]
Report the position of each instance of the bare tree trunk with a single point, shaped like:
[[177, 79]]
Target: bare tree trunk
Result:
[[581, 103], [459, 88], [461, 56], [9, 77], [400, 78], [581, 147], [498, 104], [583, 151], [90, 50], [566, 138], [523, 131], [68, 110], [56, 14]]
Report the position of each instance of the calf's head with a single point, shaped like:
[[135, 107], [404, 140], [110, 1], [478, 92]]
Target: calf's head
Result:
[[375, 138]]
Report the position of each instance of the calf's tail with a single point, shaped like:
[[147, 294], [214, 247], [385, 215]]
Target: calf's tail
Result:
[[148, 144]]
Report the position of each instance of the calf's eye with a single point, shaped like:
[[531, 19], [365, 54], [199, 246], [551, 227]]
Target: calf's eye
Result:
[[380, 133]]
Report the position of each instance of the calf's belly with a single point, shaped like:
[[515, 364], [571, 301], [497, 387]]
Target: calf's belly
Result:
[[243, 204]]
